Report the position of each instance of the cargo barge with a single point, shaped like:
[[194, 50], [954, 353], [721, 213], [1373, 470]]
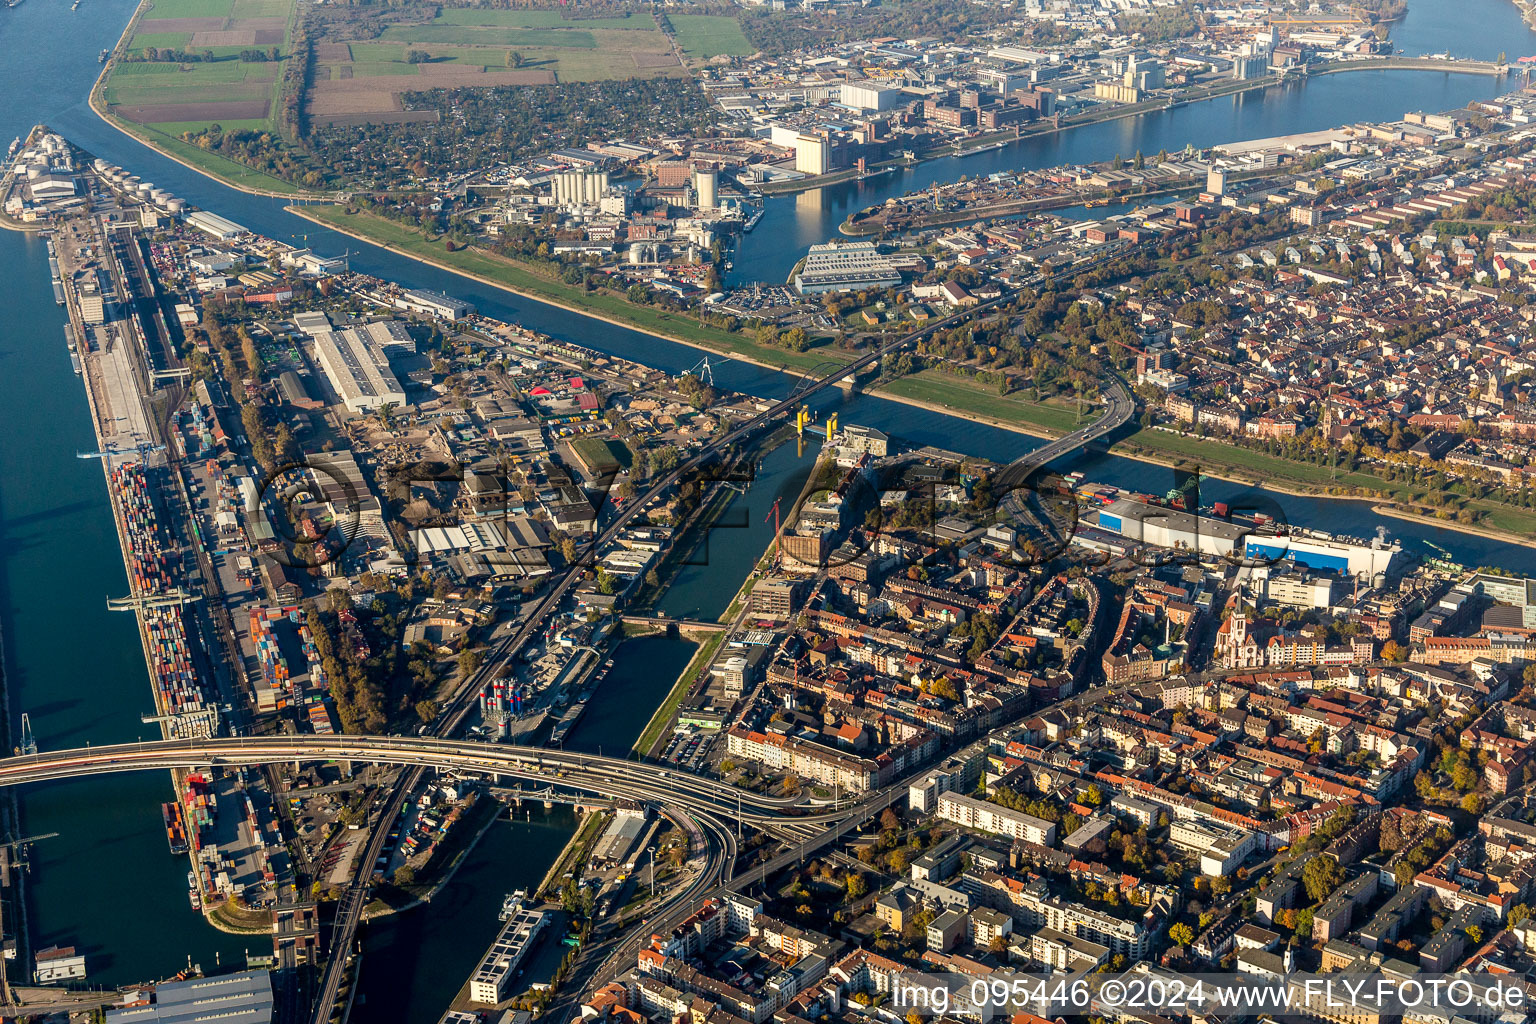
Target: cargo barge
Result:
[[175, 826]]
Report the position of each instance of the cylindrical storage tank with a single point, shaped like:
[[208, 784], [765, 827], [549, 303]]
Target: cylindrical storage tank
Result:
[[159, 196], [144, 188], [99, 164], [175, 207]]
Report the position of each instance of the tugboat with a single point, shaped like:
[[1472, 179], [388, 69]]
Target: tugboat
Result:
[[102, 59]]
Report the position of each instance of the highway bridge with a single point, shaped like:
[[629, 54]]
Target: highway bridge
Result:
[[1118, 407], [608, 777]]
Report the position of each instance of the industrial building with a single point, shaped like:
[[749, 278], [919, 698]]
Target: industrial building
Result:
[[358, 369], [842, 267], [211, 223], [706, 187], [1354, 558], [1169, 528], [1514, 591], [244, 998], [444, 307], [1162, 527], [868, 96], [813, 154]]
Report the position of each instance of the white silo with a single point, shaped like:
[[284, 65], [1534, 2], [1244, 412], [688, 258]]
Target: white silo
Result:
[[706, 186]]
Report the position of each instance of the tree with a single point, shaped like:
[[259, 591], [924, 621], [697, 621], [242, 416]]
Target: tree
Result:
[[889, 822], [426, 710], [405, 875], [418, 57], [514, 59], [469, 661], [1181, 933], [1393, 651], [1321, 876]]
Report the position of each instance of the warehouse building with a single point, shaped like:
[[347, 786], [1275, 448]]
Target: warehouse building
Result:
[[212, 224], [842, 267], [244, 998], [1168, 528], [444, 307], [356, 365]]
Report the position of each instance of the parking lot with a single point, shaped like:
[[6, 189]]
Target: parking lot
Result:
[[690, 748]]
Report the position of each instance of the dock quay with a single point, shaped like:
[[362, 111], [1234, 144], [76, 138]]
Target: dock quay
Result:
[[126, 356]]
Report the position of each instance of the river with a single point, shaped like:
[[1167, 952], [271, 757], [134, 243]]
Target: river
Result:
[[107, 883]]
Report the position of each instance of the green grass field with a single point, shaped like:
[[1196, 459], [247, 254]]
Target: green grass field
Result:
[[260, 9], [536, 19], [466, 35], [190, 83], [225, 78], [376, 68], [234, 124], [162, 40], [967, 396], [211, 164], [200, 9], [709, 35]]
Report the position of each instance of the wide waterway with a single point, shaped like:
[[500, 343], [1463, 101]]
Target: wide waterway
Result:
[[107, 883]]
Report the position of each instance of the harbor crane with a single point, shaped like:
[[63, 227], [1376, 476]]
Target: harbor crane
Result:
[[703, 371], [143, 450], [777, 529], [149, 718], [26, 840], [144, 602]]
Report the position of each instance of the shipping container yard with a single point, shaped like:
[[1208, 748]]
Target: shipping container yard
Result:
[[187, 708]]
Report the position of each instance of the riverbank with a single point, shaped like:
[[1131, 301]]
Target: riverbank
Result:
[[1135, 449], [494, 271], [656, 728]]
